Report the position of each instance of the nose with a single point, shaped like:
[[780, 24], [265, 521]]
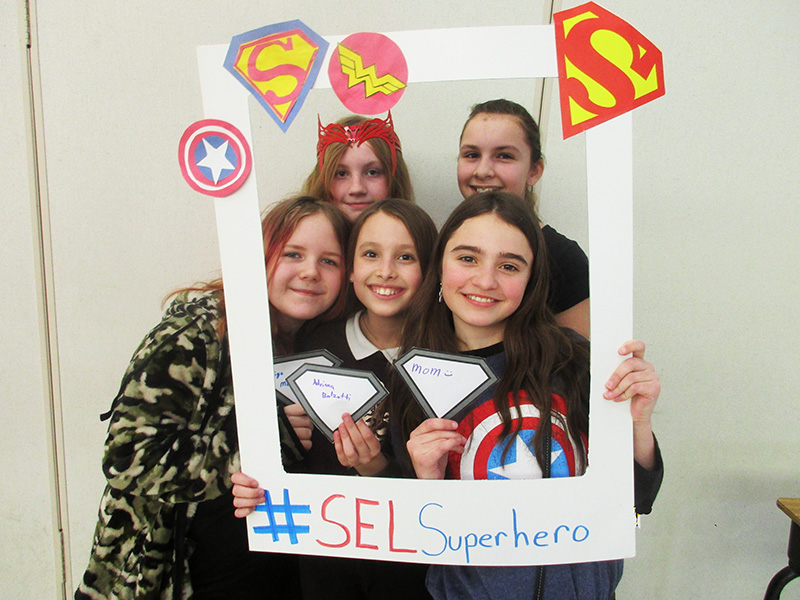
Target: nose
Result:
[[357, 187], [386, 268], [310, 270], [485, 277], [484, 168]]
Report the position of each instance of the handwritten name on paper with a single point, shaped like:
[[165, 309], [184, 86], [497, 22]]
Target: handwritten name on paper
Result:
[[280, 379], [285, 366], [333, 394]]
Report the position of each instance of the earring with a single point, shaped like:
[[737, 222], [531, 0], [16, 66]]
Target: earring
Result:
[[440, 292]]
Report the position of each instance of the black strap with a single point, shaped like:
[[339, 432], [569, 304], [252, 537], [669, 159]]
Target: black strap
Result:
[[179, 540], [538, 587], [548, 437]]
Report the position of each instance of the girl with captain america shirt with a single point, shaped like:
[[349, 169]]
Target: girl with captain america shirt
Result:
[[485, 294]]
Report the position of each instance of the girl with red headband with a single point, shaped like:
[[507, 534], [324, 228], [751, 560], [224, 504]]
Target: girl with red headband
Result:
[[359, 161]]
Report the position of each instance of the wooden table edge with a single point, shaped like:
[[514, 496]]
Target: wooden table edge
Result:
[[791, 506]]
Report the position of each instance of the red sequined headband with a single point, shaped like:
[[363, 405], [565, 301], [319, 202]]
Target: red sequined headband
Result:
[[358, 134]]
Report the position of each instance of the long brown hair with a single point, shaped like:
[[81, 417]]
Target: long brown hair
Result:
[[318, 182], [541, 358], [278, 223]]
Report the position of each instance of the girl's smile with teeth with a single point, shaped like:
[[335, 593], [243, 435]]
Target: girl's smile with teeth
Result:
[[482, 299], [385, 291]]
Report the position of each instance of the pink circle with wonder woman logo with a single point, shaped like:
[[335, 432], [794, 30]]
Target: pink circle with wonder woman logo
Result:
[[368, 73]]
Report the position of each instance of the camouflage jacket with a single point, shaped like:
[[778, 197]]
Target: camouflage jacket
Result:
[[166, 450]]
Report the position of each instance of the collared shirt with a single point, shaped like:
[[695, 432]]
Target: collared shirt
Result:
[[359, 345]]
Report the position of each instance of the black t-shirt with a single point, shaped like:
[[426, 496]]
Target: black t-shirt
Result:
[[569, 271]]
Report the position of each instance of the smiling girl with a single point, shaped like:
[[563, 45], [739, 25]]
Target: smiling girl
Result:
[[485, 295], [172, 445], [500, 150], [359, 161], [390, 248]]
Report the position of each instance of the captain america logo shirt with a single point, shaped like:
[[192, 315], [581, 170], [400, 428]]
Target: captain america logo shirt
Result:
[[483, 454]]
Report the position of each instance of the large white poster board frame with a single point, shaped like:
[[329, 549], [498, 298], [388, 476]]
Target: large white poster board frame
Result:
[[550, 521]]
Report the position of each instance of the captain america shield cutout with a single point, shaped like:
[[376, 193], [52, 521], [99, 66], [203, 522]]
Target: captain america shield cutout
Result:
[[215, 157], [483, 455]]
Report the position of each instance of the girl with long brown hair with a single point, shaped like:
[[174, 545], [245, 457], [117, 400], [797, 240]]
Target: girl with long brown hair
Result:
[[485, 294]]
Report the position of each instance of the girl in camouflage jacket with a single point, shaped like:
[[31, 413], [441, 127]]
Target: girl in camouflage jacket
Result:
[[171, 441]]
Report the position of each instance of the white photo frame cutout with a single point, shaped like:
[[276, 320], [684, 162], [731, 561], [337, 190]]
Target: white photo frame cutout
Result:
[[527, 522]]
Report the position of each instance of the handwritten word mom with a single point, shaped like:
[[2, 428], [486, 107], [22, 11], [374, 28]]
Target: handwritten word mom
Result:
[[514, 537], [432, 371]]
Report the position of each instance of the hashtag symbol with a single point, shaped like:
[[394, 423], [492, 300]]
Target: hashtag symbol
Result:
[[289, 510]]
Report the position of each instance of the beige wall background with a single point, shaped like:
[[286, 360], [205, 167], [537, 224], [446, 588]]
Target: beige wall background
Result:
[[99, 226]]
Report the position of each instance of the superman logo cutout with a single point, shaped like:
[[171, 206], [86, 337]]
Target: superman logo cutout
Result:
[[605, 67], [285, 366], [278, 64]]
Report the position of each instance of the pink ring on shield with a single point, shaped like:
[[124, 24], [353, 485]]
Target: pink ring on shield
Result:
[[215, 157]]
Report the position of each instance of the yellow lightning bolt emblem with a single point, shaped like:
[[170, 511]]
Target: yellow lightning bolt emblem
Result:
[[353, 67]]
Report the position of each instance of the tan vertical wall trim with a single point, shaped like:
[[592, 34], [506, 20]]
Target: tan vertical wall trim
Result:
[[46, 301], [544, 92]]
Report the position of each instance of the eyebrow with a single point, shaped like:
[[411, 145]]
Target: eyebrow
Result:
[[494, 149], [513, 256], [476, 250], [299, 247], [369, 242], [370, 163]]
